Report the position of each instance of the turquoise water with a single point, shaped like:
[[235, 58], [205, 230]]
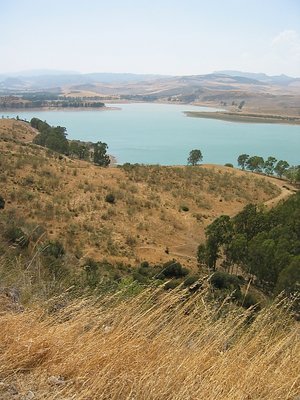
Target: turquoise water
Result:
[[162, 134]]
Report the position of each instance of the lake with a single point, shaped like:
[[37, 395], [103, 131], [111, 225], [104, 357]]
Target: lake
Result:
[[161, 134]]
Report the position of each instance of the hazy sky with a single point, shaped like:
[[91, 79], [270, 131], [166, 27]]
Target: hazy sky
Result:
[[155, 36]]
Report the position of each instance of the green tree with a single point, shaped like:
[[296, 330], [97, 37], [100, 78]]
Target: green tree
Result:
[[289, 277], [79, 150], [100, 154], [270, 165], [255, 163], [261, 259], [242, 160], [219, 233], [281, 168], [202, 255], [249, 221], [195, 157]]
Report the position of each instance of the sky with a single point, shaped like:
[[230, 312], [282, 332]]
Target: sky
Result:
[[168, 37]]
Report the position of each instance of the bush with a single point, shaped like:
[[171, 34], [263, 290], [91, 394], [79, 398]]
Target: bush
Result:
[[53, 248], [222, 280], [190, 280], [229, 165], [184, 208], [250, 300], [110, 198], [173, 269], [171, 284], [2, 203], [16, 235]]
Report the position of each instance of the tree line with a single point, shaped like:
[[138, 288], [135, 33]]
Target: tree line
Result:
[[270, 166], [55, 138]]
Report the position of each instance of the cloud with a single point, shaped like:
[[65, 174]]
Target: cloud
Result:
[[285, 52], [287, 38]]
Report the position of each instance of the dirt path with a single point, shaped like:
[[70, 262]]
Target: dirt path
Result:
[[287, 190]]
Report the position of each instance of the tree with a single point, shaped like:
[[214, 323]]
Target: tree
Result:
[[270, 165], [219, 233], [79, 150], [281, 167], [293, 174], [202, 255], [241, 105], [289, 277], [195, 157], [100, 156], [255, 163], [242, 160]]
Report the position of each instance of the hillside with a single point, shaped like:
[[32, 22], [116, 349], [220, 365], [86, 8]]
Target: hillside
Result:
[[158, 213], [87, 267]]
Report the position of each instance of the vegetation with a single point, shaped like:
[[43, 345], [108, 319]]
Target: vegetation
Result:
[[264, 245], [54, 138], [72, 259], [48, 100], [96, 349], [101, 158], [269, 166], [2, 203], [195, 157]]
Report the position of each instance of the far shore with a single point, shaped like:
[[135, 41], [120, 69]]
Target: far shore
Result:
[[29, 109], [243, 117]]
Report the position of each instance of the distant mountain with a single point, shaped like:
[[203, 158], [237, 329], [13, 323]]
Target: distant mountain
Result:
[[45, 79], [276, 79]]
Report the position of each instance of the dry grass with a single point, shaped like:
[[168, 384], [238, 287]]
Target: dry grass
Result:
[[17, 130], [67, 198], [155, 345]]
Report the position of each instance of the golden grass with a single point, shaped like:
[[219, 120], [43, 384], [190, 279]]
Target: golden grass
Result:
[[67, 198], [155, 345]]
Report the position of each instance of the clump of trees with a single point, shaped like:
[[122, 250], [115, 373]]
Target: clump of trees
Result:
[[52, 137], [270, 166], [263, 244], [55, 138]]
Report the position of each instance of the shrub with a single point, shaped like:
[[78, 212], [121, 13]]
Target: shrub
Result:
[[110, 198], [172, 269], [171, 284], [16, 235], [53, 248], [222, 280], [250, 300], [190, 280], [229, 165], [184, 208], [2, 203]]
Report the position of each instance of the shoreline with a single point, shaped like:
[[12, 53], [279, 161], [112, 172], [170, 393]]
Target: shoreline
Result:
[[245, 118], [29, 109]]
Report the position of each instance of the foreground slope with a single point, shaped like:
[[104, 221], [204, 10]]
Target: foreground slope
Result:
[[149, 347]]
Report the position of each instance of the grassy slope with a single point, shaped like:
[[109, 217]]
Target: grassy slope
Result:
[[67, 198]]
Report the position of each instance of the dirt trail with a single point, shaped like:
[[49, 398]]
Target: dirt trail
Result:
[[287, 190]]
